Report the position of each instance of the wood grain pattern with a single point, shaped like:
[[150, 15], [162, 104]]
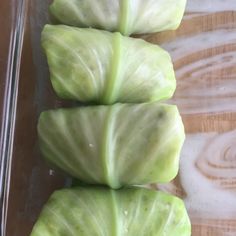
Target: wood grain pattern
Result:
[[204, 54]]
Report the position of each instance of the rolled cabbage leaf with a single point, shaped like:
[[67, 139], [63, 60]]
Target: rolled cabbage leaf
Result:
[[116, 145], [99, 211], [125, 16], [97, 66]]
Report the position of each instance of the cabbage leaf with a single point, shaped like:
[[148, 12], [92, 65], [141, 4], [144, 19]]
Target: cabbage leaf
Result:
[[116, 145], [90, 65], [98, 211], [125, 16]]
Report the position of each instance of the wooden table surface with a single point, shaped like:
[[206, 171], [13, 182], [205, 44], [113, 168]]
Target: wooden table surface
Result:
[[204, 54]]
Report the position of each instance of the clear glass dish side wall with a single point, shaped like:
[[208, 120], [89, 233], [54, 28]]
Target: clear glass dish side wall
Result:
[[32, 181]]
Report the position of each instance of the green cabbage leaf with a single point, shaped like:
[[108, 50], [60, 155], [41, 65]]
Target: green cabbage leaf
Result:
[[90, 65], [117, 145], [98, 211], [125, 16]]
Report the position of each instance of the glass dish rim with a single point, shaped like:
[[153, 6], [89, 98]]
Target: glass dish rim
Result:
[[10, 98]]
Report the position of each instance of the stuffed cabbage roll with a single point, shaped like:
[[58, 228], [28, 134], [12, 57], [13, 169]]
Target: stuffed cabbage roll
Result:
[[94, 211], [125, 16], [98, 66], [122, 144]]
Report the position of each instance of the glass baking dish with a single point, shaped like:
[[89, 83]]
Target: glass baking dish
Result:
[[203, 52]]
